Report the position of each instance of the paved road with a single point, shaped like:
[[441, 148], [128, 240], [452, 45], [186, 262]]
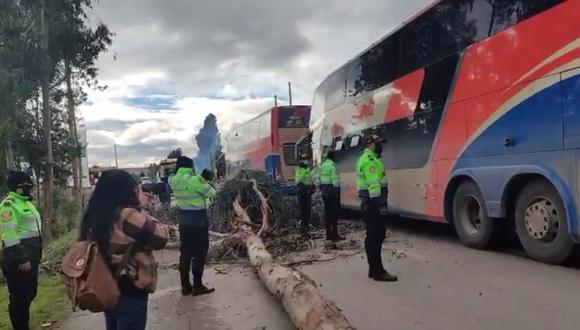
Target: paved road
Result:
[[240, 302], [443, 285]]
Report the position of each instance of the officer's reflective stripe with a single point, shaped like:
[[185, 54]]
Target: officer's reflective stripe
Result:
[[374, 190], [373, 181], [374, 194], [205, 191], [192, 208], [184, 194], [11, 242], [29, 235], [183, 198]]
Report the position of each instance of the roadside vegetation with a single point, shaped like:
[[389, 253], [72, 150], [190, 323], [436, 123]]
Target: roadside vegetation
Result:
[[51, 303]]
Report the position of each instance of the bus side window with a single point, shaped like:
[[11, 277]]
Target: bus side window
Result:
[[511, 12], [449, 27], [374, 69]]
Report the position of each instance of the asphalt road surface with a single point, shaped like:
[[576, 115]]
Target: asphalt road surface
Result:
[[442, 285]]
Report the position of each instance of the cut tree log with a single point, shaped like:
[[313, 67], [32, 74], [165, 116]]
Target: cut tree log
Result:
[[301, 298]]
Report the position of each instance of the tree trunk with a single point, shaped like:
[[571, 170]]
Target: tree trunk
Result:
[[9, 154], [299, 295], [48, 182], [72, 122]]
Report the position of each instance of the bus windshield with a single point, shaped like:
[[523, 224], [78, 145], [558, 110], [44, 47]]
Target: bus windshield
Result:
[[294, 117]]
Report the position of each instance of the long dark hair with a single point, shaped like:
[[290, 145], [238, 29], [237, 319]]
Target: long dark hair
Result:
[[114, 191]]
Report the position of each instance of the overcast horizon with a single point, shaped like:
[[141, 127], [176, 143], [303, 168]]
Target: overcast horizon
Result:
[[173, 62]]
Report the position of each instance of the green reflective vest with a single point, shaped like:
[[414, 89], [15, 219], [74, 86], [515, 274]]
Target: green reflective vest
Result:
[[19, 221], [192, 192], [370, 174], [302, 175], [328, 174]]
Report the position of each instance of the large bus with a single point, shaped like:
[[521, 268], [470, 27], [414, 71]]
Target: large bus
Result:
[[268, 142], [479, 104]]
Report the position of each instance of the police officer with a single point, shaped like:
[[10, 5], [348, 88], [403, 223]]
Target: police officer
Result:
[[330, 188], [193, 194], [20, 228], [303, 179], [373, 191]]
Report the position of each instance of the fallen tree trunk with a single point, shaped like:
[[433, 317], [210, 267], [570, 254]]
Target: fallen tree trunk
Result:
[[300, 296]]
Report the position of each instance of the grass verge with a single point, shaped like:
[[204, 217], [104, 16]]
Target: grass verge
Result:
[[51, 303]]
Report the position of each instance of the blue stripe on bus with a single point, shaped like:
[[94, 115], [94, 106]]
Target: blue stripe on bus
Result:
[[536, 127]]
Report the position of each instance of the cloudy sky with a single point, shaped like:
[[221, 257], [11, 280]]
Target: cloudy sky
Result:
[[173, 62]]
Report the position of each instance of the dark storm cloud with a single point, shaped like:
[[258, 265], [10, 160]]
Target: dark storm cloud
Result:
[[220, 50], [202, 45], [189, 36]]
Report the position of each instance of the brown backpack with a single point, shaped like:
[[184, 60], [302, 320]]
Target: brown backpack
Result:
[[88, 280]]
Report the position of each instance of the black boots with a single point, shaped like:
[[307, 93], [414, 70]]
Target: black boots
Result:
[[186, 291], [198, 287], [186, 288], [383, 276], [200, 290]]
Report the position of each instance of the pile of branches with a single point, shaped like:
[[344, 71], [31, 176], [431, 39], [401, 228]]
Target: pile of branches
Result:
[[283, 213], [283, 234]]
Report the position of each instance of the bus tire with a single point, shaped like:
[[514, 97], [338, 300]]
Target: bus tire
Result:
[[475, 229], [542, 223]]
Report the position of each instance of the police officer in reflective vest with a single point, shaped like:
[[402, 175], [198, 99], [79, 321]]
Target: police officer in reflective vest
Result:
[[330, 188], [193, 194], [20, 228], [303, 179], [373, 191]]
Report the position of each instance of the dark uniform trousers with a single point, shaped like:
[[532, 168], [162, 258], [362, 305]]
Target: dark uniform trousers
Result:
[[331, 198], [194, 236], [305, 202], [376, 228], [22, 287]]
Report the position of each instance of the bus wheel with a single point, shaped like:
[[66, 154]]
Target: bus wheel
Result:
[[474, 227], [542, 223]]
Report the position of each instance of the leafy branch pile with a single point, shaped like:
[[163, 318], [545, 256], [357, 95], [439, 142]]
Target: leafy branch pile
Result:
[[283, 213], [283, 234]]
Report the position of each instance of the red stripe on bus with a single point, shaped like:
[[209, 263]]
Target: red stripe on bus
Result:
[[406, 90]]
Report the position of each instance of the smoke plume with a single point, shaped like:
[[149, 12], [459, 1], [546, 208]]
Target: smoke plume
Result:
[[208, 141]]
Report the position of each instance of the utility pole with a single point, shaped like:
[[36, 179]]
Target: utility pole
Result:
[[290, 92], [116, 157]]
